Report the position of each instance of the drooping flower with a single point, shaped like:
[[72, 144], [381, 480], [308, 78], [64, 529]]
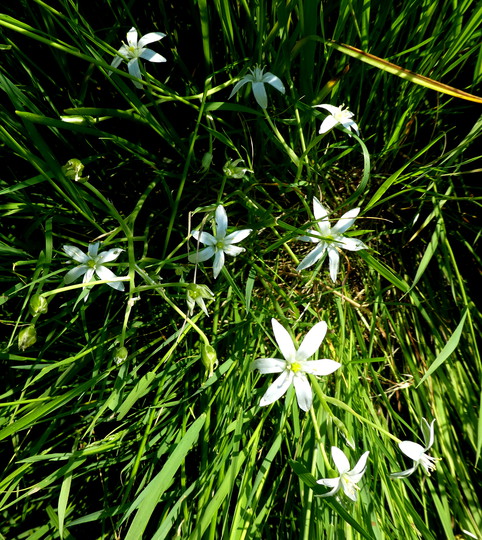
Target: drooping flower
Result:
[[220, 243], [93, 263], [337, 115], [233, 169], [295, 365], [417, 452], [348, 479], [258, 79], [195, 294], [329, 238], [135, 50]]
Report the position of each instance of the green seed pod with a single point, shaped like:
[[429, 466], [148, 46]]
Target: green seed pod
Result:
[[120, 355], [27, 337], [208, 358]]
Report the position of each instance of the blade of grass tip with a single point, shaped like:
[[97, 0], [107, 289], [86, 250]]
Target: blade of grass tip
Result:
[[403, 73], [449, 348]]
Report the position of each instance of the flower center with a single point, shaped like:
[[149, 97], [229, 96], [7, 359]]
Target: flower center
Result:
[[219, 244], [295, 367], [91, 263], [342, 115]]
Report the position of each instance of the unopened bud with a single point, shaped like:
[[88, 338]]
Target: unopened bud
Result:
[[38, 305], [27, 337], [208, 358], [120, 355], [232, 169], [73, 171]]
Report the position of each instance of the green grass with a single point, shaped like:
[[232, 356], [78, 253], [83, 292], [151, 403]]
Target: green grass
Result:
[[128, 417]]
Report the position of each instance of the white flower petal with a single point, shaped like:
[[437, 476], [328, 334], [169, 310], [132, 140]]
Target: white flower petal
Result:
[[150, 38], [117, 60], [346, 221], [203, 255], [284, 341], [218, 262], [75, 273], [93, 249], [412, 450], [312, 341], [428, 433], [151, 56], [334, 483], [204, 238], [108, 256], [75, 253], [328, 123], [304, 395], [134, 70], [260, 94], [221, 219], [330, 108], [277, 389], [312, 257], [319, 211], [132, 37], [321, 367], [340, 460], [239, 85], [404, 474], [351, 244], [234, 251], [89, 273], [334, 262], [350, 124], [274, 81], [104, 273], [269, 365], [359, 469], [237, 236]]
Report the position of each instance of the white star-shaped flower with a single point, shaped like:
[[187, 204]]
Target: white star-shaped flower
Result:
[[258, 80], [295, 365], [329, 238], [337, 115], [220, 243], [93, 263], [348, 479], [195, 294], [417, 452], [135, 50]]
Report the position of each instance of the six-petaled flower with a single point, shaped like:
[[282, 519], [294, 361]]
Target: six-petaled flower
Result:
[[338, 115], [220, 243], [134, 50], [329, 239], [294, 366], [348, 479], [417, 452], [258, 79]]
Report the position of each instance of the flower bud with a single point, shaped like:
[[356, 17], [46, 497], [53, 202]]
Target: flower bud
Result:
[[27, 337], [38, 305], [232, 169], [208, 358], [120, 355], [206, 161], [73, 171]]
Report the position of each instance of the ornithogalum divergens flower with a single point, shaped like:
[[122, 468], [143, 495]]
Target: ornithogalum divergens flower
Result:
[[329, 238], [348, 479], [195, 294], [417, 452], [337, 115], [295, 365], [93, 263], [258, 79], [134, 50], [220, 243]]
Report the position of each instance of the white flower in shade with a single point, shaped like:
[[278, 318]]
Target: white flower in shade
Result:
[[337, 115], [329, 238], [295, 365], [348, 479], [258, 79], [417, 452], [195, 294], [93, 263], [135, 50], [220, 243]]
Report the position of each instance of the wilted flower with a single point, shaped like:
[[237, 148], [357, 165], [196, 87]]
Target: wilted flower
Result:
[[337, 115], [91, 263], [195, 294], [219, 244], [329, 238], [416, 452], [348, 479], [135, 50], [258, 79], [295, 365]]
